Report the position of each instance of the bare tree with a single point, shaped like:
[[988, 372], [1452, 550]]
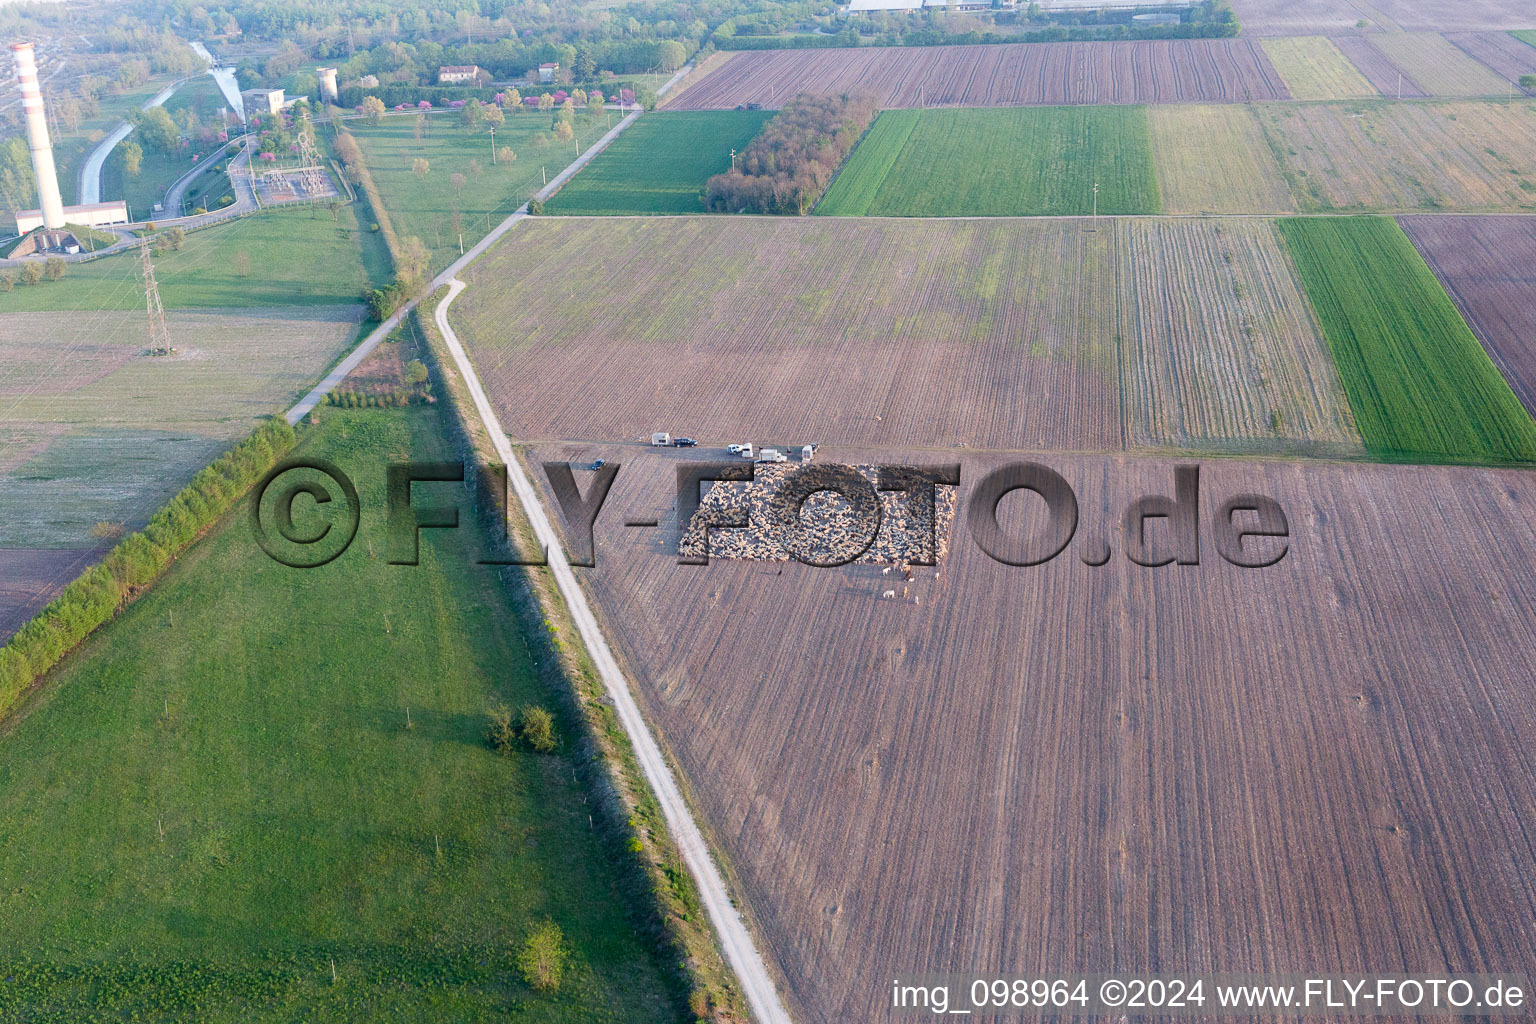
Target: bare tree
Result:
[[420, 168]]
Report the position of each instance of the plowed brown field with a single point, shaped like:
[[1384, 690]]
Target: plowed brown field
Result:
[[1389, 78], [1027, 771], [1036, 333], [1199, 70], [1508, 57], [31, 577], [1488, 265]]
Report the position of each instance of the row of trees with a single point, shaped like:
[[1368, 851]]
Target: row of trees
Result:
[[33, 272], [792, 160], [137, 561]]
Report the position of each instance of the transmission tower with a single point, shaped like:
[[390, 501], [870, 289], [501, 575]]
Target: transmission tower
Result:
[[159, 336]]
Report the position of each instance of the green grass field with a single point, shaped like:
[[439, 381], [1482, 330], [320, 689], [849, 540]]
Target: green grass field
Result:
[[999, 162], [425, 207], [660, 163], [297, 257], [217, 797], [1421, 386], [1525, 35]]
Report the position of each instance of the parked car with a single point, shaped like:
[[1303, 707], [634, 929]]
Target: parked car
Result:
[[684, 442], [599, 464]]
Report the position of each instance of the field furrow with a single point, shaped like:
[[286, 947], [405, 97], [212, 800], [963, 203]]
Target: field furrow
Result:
[[1411, 156], [1441, 68], [995, 162], [1389, 77], [1214, 159], [1488, 265], [1223, 353], [1036, 333], [1208, 768], [1314, 69], [1420, 384], [1020, 74], [1505, 55]]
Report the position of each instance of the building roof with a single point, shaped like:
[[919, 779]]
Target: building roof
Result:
[[459, 69], [115, 206], [894, 5], [549, 65]]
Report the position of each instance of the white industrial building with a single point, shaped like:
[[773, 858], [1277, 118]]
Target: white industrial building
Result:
[[92, 215]]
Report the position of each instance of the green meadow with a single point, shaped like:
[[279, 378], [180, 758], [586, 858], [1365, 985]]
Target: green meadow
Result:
[[999, 162], [265, 794]]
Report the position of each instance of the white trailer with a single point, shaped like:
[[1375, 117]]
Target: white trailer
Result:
[[661, 439]]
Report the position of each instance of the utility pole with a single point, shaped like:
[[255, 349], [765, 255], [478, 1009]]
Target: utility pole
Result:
[[1399, 86], [1095, 206], [493, 144], [733, 159]]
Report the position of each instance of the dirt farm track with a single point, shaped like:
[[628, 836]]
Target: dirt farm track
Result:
[[1158, 71], [1025, 771]]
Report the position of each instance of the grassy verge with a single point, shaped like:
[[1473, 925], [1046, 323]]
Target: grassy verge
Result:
[[1420, 385], [673, 913], [221, 810], [660, 164], [999, 162], [290, 257]]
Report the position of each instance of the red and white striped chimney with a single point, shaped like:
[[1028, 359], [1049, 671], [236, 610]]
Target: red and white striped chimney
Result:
[[37, 137]]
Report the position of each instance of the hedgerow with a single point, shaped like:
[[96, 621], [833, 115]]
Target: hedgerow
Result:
[[97, 594]]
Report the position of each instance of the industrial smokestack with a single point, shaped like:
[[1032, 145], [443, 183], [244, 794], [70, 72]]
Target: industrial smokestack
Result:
[[328, 85], [37, 138]]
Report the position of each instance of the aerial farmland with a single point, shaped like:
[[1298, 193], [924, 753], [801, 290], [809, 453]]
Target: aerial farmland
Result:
[[905, 514], [1221, 71]]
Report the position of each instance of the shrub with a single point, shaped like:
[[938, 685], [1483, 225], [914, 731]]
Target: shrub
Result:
[[55, 267], [542, 958], [536, 206], [415, 372], [105, 530], [537, 729], [31, 272], [501, 734]]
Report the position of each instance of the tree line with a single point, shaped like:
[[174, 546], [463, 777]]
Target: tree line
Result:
[[97, 594]]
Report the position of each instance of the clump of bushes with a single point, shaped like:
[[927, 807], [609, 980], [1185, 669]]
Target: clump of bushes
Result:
[[346, 399], [542, 957], [532, 727], [792, 160], [135, 562]]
